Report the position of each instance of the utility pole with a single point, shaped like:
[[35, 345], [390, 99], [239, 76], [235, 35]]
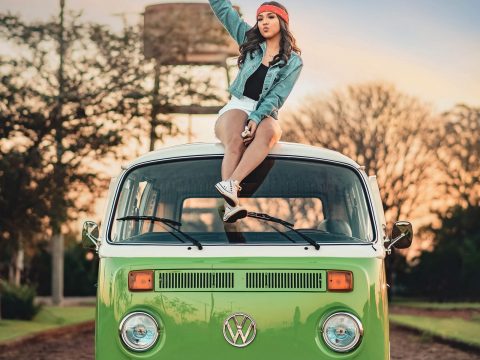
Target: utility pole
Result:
[[155, 105], [57, 236]]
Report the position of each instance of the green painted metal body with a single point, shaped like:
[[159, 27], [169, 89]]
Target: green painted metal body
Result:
[[288, 322]]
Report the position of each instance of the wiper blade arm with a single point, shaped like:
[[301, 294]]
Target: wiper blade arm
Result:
[[151, 218], [168, 222], [266, 217]]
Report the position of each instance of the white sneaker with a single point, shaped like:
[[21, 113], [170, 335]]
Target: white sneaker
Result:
[[229, 190], [233, 214]]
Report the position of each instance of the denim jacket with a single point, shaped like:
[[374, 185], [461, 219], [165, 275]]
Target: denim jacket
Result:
[[278, 82]]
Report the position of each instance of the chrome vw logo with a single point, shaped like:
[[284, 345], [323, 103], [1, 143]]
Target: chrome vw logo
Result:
[[239, 330]]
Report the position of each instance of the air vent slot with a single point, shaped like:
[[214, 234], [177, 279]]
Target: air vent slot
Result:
[[191, 280], [307, 280]]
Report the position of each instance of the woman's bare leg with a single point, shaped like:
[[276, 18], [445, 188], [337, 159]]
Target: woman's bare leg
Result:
[[228, 130], [267, 135]]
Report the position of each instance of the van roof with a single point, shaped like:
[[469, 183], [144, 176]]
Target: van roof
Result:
[[205, 149]]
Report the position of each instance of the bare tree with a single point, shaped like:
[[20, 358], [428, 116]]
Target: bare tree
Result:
[[457, 140], [384, 130], [380, 128]]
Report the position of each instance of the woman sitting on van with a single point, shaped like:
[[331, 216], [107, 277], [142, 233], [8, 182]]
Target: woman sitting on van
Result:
[[270, 65]]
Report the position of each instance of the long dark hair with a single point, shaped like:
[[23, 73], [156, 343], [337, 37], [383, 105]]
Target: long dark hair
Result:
[[254, 38]]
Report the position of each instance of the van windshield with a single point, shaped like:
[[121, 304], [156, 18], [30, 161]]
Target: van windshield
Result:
[[326, 202]]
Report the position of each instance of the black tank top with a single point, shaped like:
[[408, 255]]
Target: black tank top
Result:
[[254, 84]]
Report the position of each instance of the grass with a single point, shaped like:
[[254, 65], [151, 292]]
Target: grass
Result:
[[438, 305], [48, 318], [456, 329]]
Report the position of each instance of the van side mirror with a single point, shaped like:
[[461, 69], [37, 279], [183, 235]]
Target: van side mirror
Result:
[[90, 235], [402, 235]]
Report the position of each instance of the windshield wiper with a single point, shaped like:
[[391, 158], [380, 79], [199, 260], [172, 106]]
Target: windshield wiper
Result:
[[266, 217], [168, 222]]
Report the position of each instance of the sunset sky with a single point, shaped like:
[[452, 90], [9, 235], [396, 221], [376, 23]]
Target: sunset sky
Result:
[[427, 48]]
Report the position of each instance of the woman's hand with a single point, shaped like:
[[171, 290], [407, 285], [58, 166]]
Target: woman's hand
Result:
[[252, 127]]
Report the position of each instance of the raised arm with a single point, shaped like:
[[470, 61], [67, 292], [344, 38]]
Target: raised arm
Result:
[[231, 20]]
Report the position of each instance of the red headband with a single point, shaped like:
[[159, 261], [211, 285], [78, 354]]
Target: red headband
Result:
[[275, 9]]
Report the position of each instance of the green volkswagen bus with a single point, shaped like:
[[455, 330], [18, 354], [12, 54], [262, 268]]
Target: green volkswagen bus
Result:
[[302, 276]]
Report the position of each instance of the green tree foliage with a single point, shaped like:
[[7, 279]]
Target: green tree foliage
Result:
[[451, 271], [70, 119], [59, 117], [77, 115], [71, 93], [22, 206], [18, 302], [80, 270]]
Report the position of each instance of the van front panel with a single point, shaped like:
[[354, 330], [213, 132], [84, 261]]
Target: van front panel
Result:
[[287, 298]]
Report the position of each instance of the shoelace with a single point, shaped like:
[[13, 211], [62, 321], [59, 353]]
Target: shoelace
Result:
[[232, 184]]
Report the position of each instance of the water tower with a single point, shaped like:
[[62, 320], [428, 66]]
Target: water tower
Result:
[[177, 34], [187, 34], [206, 42]]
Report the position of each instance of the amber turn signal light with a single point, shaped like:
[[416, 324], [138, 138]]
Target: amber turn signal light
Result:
[[340, 281], [140, 280]]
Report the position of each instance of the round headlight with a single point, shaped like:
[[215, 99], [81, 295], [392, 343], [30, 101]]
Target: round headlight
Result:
[[139, 331], [342, 332]]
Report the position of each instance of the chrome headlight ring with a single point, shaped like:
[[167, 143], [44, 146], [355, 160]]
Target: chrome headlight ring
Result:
[[139, 331], [342, 332]]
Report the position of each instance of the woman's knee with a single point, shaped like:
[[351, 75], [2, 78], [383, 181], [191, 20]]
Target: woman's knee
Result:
[[234, 145], [270, 131]]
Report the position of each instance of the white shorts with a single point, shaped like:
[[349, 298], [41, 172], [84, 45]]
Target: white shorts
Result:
[[244, 103]]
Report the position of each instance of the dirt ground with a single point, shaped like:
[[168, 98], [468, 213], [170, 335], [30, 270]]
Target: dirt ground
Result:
[[72, 343], [406, 345], [62, 346]]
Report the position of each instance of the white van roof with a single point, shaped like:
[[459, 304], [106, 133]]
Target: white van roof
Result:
[[206, 149]]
